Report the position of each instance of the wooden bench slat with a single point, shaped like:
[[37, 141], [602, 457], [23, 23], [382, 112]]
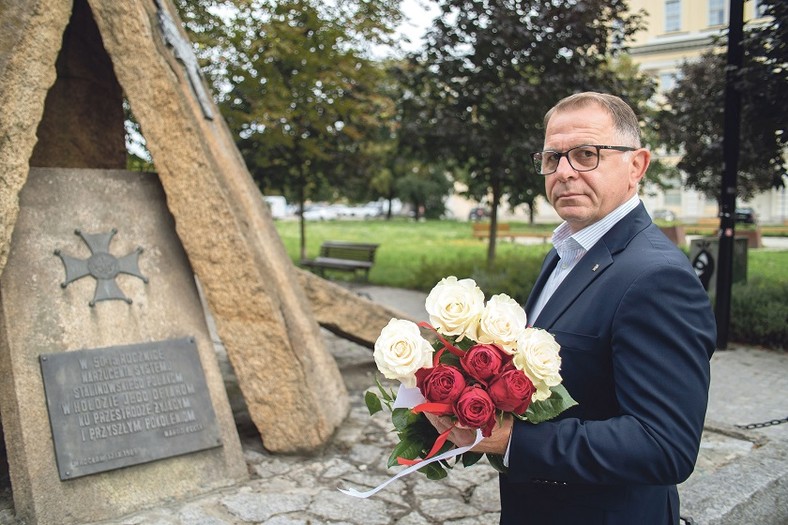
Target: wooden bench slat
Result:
[[337, 263], [342, 255], [504, 231]]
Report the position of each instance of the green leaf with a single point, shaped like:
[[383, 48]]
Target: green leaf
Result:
[[558, 401], [403, 417], [470, 458], [496, 460], [433, 471], [387, 396], [450, 359], [465, 344], [373, 403], [407, 448]]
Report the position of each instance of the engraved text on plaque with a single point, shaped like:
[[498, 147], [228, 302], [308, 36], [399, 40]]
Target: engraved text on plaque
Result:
[[124, 405]]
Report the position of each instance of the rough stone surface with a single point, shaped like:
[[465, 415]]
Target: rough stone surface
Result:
[[263, 317], [344, 312], [752, 489], [69, 135], [31, 34], [39, 316]]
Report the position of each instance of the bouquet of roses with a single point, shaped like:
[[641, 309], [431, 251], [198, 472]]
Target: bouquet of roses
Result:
[[483, 362]]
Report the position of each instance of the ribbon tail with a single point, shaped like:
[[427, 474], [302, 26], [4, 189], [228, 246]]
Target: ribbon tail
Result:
[[446, 455], [433, 408], [434, 450]]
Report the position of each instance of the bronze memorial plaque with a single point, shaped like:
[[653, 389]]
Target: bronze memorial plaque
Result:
[[124, 405]]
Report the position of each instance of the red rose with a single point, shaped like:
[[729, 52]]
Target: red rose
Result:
[[475, 409], [511, 391], [442, 384], [483, 362]]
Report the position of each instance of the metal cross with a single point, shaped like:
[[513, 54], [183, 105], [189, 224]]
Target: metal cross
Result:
[[102, 266]]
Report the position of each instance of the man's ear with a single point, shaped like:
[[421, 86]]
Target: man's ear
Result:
[[638, 164]]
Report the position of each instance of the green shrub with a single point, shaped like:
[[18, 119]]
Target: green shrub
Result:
[[759, 313], [512, 274], [416, 255]]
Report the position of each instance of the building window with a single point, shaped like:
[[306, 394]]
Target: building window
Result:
[[758, 8], [673, 197], [672, 15], [716, 12]]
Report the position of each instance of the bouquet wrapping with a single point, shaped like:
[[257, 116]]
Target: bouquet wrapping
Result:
[[481, 361]]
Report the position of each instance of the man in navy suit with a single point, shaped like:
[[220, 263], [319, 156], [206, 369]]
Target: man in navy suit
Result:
[[636, 332]]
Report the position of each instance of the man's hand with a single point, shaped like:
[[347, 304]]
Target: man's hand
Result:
[[461, 436]]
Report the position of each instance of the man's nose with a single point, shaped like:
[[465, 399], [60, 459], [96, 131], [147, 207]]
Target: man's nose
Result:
[[564, 169]]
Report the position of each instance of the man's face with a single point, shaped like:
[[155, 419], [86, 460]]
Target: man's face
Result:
[[583, 198]]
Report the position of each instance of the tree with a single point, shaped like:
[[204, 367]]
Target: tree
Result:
[[296, 87], [490, 71], [692, 118], [424, 187]]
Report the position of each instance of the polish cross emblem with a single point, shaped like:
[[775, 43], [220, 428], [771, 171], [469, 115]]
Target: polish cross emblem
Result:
[[102, 266]]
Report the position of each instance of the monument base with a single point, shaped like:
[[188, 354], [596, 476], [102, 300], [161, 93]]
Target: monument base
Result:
[[128, 392]]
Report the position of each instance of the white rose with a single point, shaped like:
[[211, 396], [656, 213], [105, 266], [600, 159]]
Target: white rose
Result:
[[537, 356], [455, 306], [503, 321], [400, 351]]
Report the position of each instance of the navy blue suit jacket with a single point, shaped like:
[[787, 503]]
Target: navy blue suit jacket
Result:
[[636, 332]]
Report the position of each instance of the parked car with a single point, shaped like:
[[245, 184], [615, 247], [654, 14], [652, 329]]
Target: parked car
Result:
[[365, 211], [278, 206], [319, 213], [745, 216], [664, 215]]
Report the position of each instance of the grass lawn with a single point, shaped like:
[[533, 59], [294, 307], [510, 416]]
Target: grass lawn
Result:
[[406, 246]]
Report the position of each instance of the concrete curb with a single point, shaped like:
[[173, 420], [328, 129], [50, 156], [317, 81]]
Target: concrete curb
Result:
[[753, 489]]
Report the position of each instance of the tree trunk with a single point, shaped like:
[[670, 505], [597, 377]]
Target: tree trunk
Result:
[[301, 220], [496, 192]]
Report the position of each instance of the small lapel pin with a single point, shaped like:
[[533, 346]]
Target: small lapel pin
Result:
[[595, 268]]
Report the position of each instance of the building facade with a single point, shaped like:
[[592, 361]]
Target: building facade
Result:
[[677, 31], [680, 31]]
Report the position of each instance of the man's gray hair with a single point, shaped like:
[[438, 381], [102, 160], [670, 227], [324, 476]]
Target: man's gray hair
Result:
[[625, 122]]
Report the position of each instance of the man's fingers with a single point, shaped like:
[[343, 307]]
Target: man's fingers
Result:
[[441, 424]]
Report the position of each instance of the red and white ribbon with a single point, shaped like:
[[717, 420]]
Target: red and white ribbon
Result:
[[409, 398]]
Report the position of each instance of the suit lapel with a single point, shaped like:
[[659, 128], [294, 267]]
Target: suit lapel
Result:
[[590, 267], [551, 260]]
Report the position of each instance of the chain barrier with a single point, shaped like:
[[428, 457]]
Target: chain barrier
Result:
[[763, 424]]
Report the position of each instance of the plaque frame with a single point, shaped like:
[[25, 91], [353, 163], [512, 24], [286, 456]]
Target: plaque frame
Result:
[[119, 406]]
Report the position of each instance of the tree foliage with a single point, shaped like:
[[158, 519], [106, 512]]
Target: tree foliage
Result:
[[692, 118], [297, 88], [490, 71]]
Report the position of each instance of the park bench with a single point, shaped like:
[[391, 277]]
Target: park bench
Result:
[[343, 256], [481, 230]]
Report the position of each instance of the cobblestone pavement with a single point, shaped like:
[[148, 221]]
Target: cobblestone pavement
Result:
[[301, 490]]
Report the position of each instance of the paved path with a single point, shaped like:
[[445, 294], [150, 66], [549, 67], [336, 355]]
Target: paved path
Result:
[[748, 385]]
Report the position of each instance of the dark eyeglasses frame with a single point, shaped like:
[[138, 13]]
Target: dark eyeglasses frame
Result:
[[598, 147]]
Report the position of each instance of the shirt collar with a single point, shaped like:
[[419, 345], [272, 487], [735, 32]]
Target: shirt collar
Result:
[[590, 235]]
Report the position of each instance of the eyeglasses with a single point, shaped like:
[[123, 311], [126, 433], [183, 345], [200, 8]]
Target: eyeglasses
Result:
[[581, 158]]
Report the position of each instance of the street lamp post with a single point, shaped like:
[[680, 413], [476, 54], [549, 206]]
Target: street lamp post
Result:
[[730, 149]]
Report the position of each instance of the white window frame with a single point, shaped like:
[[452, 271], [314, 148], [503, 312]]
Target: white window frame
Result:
[[718, 13]]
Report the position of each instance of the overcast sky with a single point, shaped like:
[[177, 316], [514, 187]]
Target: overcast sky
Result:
[[419, 15]]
